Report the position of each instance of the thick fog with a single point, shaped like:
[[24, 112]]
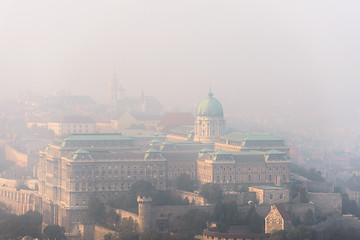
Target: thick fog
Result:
[[298, 60]]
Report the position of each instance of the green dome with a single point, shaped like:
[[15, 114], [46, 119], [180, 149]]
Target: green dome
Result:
[[210, 107]]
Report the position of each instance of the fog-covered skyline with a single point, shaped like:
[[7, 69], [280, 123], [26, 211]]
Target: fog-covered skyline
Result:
[[296, 56]]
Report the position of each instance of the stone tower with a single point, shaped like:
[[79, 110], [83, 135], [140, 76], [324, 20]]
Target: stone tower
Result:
[[209, 123], [144, 208]]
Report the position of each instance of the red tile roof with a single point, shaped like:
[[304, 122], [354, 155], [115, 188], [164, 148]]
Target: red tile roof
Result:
[[284, 214]]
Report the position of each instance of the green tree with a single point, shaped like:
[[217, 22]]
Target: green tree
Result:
[[13, 226], [212, 192], [278, 235], [184, 182], [309, 218], [127, 229], [141, 188], [298, 233], [226, 214], [193, 222], [96, 210], [311, 173], [339, 233], [166, 198], [54, 232]]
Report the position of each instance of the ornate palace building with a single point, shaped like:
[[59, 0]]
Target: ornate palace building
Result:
[[78, 166]]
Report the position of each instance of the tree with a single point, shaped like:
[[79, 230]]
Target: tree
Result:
[[226, 214], [309, 218], [339, 233], [311, 174], [127, 229], [184, 182], [212, 192], [166, 198], [13, 226], [193, 222], [124, 201], [278, 235], [298, 233], [96, 210], [256, 223], [54, 232], [141, 188]]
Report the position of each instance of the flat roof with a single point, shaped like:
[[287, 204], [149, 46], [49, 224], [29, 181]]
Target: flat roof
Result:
[[264, 187], [97, 137], [251, 136]]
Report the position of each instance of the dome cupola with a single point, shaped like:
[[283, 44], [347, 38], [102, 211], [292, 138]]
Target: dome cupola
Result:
[[210, 107]]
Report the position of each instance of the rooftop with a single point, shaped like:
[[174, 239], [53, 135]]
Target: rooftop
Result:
[[97, 137], [265, 187], [251, 136]]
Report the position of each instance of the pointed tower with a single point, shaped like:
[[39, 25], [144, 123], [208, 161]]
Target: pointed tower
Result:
[[209, 123], [114, 94]]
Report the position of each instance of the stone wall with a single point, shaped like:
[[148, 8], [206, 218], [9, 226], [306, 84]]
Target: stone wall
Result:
[[167, 218], [327, 203], [193, 198], [270, 196], [100, 232], [241, 198], [126, 214], [319, 187], [350, 221], [93, 232]]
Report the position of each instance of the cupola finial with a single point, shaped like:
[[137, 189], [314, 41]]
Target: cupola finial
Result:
[[210, 93]]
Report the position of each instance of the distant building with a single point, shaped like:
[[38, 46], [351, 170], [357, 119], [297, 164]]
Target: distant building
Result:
[[270, 194], [72, 125], [130, 120], [175, 119], [78, 166], [233, 170], [68, 125], [277, 219], [251, 142], [352, 189]]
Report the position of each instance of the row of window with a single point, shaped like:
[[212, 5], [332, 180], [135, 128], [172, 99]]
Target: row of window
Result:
[[180, 166], [170, 174], [89, 168], [109, 187]]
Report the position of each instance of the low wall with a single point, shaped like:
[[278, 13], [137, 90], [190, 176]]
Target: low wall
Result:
[[172, 215], [126, 214], [207, 235], [193, 198], [241, 198]]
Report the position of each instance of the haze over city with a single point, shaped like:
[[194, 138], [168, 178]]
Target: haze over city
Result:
[[205, 119], [293, 57]]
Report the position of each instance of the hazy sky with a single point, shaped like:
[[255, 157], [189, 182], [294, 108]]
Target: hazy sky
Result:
[[255, 54]]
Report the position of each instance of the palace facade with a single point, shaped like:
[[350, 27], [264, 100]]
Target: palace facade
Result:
[[76, 167]]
